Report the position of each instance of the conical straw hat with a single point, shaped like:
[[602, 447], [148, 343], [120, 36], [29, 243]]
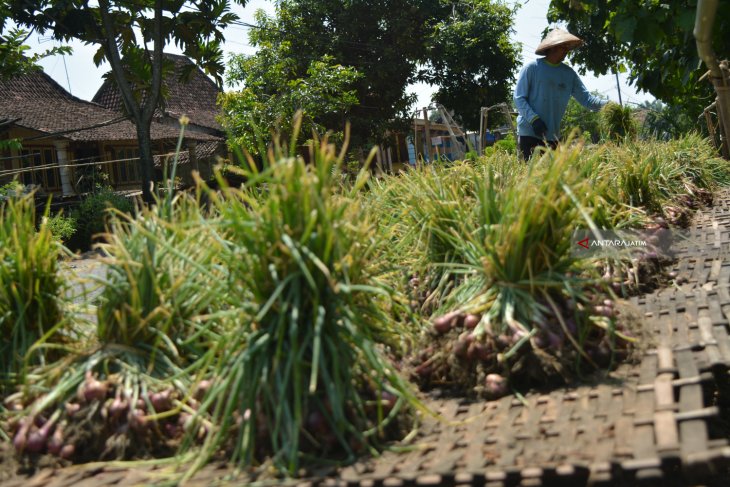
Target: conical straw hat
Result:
[[557, 37]]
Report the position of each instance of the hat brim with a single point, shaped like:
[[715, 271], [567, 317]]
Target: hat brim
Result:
[[543, 48]]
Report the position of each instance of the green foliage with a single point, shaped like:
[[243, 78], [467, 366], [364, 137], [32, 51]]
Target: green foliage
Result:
[[160, 280], [292, 297], [507, 145], [61, 227], [8, 144], [92, 214], [11, 189], [272, 93], [14, 60], [663, 121], [578, 117], [471, 58], [650, 175], [463, 48], [653, 39], [90, 178], [31, 307]]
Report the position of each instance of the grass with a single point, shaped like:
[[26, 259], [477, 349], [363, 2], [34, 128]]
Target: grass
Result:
[[31, 290]]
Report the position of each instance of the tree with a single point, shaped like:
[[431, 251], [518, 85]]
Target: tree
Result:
[[273, 92], [13, 58], [471, 59], [653, 38], [389, 44], [131, 36], [577, 116], [664, 121]]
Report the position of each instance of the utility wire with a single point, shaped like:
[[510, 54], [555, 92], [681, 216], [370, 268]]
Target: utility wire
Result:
[[45, 167]]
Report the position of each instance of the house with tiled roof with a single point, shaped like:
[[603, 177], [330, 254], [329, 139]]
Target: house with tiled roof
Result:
[[62, 135], [188, 91]]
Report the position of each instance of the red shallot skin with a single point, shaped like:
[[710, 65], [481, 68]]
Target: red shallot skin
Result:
[[202, 389], [119, 407], [92, 389], [36, 440], [461, 346], [67, 451], [55, 443], [161, 401], [471, 321], [444, 323], [21, 436], [137, 420], [72, 408], [495, 386]]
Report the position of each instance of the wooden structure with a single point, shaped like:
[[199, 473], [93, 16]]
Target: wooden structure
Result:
[[483, 119]]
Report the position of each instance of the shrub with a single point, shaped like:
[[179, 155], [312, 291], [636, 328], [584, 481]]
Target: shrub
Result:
[[581, 118], [507, 145], [92, 216], [91, 178], [62, 227], [11, 189]]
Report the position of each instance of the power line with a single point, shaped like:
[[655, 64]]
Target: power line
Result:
[[68, 81], [72, 164]]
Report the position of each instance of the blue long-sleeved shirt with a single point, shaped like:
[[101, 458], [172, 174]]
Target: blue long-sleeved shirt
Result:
[[544, 90]]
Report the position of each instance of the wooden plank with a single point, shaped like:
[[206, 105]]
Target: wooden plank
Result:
[[704, 323], [663, 391], [624, 437], [644, 433], [665, 359], [714, 275], [723, 343], [665, 431]]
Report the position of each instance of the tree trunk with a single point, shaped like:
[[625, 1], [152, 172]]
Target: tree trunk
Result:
[[719, 76], [146, 161]]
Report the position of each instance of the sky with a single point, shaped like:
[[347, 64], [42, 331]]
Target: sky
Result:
[[78, 74]]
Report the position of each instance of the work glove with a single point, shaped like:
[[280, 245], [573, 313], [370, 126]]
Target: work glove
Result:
[[539, 127]]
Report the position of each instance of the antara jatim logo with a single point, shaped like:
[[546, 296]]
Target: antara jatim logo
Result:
[[584, 243]]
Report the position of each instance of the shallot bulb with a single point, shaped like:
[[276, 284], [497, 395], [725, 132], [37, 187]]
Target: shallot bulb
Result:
[[21, 436], [72, 408], [161, 401], [202, 389], [471, 321], [55, 443], [137, 420], [446, 322], [67, 451], [119, 406], [92, 389], [495, 385]]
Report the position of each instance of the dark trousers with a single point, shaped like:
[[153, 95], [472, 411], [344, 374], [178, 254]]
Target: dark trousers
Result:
[[528, 144]]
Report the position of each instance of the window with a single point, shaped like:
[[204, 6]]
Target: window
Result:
[[126, 169], [43, 168]]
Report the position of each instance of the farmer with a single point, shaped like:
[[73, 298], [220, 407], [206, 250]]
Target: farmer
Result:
[[543, 90]]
